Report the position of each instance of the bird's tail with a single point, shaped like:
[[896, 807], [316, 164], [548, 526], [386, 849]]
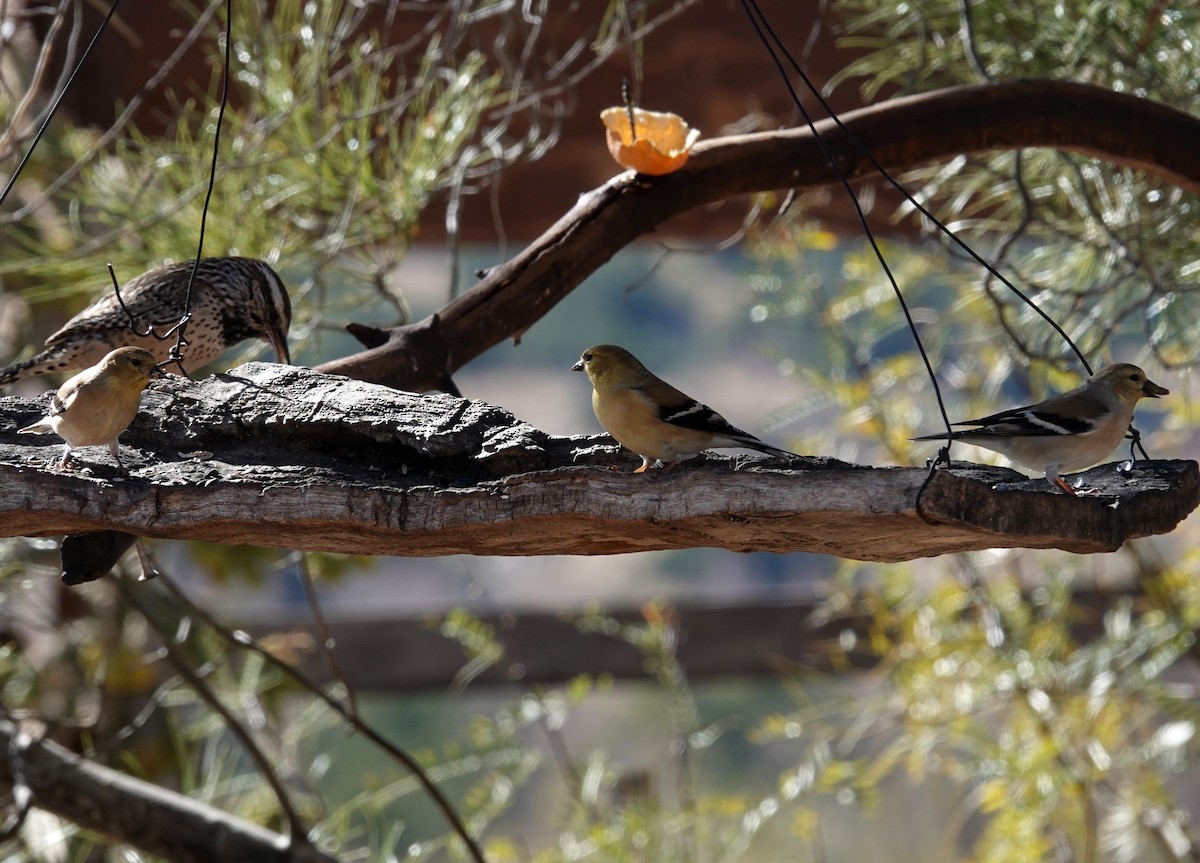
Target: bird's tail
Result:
[[37, 365], [42, 426], [954, 435], [755, 443]]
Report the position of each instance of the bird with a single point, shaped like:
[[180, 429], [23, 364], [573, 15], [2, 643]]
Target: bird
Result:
[[233, 298], [1067, 432], [649, 416], [93, 407]]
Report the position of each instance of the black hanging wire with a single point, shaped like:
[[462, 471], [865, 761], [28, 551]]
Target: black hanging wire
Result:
[[883, 172], [176, 355], [12, 181], [763, 29], [752, 11], [131, 321]]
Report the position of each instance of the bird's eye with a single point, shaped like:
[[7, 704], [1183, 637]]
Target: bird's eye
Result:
[[137, 364], [587, 358]]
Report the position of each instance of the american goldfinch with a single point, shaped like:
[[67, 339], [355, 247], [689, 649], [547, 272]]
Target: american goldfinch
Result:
[[96, 405], [232, 299], [651, 417], [1067, 432]]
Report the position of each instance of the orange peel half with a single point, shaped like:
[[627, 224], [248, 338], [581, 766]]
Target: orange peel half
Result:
[[661, 144]]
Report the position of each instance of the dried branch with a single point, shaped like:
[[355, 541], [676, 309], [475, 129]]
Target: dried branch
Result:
[[128, 810], [900, 134], [298, 833], [347, 711]]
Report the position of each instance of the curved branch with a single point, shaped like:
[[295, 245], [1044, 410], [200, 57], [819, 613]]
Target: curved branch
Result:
[[129, 810], [900, 134]]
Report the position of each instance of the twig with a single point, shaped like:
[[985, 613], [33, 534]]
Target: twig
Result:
[[43, 57], [265, 768], [128, 810], [327, 641], [355, 722]]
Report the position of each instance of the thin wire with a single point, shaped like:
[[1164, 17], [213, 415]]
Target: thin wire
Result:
[[750, 5], [131, 321], [58, 101], [943, 456], [176, 355], [1132, 434]]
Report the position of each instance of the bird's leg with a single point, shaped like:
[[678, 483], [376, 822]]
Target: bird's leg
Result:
[[648, 463], [115, 449], [65, 460]]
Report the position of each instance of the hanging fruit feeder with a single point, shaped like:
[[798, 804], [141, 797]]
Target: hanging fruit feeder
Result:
[[649, 142]]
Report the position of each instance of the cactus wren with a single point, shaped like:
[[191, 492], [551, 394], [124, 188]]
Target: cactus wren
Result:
[[232, 299]]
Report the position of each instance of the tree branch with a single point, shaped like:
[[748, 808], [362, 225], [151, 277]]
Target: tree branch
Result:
[[293, 458], [129, 810], [900, 134]]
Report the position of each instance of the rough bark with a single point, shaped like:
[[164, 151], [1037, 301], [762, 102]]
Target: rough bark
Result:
[[128, 810], [273, 455], [899, 134]]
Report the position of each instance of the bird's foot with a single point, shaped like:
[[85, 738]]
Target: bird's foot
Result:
[[647, 464], [1076, 488]]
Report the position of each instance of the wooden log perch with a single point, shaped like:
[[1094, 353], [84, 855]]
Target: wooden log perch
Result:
[[274, 455]]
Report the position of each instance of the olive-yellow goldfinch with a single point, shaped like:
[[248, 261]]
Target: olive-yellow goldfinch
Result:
[[1066, 432], [651, 417], [96, 405]]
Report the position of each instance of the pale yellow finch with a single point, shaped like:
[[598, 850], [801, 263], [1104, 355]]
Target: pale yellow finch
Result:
[[96, 405]]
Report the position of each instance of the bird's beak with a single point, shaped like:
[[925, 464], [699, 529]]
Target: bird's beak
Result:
[[578, 367], [278, 341], [1153, 390]]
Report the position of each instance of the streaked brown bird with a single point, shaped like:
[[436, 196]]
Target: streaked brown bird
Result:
[[96, 405], [232, 299]]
